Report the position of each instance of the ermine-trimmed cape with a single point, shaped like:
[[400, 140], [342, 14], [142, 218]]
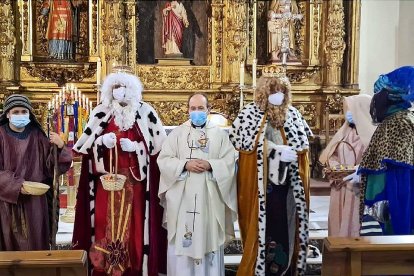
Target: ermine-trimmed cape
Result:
[[243, 135], [154, 134]]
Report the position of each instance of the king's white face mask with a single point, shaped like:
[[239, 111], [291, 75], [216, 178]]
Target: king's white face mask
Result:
[[118, 93], [277, 98]]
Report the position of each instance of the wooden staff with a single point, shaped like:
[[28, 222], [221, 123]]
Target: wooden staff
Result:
[[55, 197]]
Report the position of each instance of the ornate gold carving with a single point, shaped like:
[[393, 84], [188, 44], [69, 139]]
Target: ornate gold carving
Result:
[[226, 103], [300, 31], [218, 41], [274, 70], [94, 8], [61, 73], [316, 30], [335, 45], [7, 41], [25, 21], [251, 21], [298, 76], [308, 111], [334, 103], [129, 11], [236, 33], [187, 78], [112, 31], [171, 113]]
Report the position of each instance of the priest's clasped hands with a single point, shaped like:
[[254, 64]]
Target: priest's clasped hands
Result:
[[197, 165]]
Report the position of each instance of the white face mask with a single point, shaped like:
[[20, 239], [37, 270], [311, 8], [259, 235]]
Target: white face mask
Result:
[[277, 98], [118, 93]]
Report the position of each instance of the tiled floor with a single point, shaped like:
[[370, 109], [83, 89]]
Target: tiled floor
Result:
[[318, 228]]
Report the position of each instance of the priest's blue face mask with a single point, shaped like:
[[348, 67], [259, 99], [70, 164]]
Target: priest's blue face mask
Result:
[[20, 121], [198, 118]]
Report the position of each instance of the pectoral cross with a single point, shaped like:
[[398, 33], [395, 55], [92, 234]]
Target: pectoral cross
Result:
[[195, 210]]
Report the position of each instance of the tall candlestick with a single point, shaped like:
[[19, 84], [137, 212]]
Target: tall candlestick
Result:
[[254, 69], [284, 58], [241, 97], [98, 72], [242, 73]]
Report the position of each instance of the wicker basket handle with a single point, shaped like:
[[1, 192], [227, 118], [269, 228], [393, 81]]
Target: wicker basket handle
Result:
[[336, 146], [111, 170]]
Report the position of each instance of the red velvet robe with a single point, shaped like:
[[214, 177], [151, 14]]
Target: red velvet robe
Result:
[[135, 193]]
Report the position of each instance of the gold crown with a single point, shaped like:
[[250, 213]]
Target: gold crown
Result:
[[274, 71], [122, 69]]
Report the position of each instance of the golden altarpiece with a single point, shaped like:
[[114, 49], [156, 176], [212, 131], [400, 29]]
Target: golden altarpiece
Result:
[[229, 32]]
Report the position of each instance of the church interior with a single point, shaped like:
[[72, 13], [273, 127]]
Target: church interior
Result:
[[328, 49]]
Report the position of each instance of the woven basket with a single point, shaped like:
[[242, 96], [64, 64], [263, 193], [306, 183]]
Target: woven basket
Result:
[[113, 181], [335, 174], [35, 188]]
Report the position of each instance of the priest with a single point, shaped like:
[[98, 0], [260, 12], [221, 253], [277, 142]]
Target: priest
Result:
[[198, 193]]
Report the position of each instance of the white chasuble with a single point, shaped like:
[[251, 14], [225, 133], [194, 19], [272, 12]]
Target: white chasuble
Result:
[[200, 208]]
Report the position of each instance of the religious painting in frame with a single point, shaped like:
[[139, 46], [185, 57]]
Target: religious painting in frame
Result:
[[60, 30], [176, 30]]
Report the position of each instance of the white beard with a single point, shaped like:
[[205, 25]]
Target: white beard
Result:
[[124, 115]]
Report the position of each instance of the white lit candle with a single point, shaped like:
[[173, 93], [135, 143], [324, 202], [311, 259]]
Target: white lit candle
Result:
[[284, 57], [48, 105], [98, 96], [57, 102], [84, 101], [242, 73], [254, 69], [98, 71], [71, 94], [76, 94], [80, 97], [90, 106]]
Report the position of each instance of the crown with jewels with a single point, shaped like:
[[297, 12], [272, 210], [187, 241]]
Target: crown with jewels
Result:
[[122, 69], [274, 71]]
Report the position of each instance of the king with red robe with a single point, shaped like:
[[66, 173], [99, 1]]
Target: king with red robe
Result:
[[123, 136]]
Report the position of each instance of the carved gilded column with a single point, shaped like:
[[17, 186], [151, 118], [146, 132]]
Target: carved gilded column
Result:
[[7, 41], [26, 34], [93, 29], [217, 41], [315, 23], [351, 56], [130, 33], [113, 39], [251, 30], [235, 39], [334, 45]]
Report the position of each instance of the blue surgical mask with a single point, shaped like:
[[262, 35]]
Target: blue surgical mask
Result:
[[198, 118], [349, 118], [20, 121]]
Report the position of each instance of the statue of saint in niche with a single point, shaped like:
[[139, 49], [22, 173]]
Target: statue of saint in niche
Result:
[[281, 30], [62, 32], [174, 22]]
